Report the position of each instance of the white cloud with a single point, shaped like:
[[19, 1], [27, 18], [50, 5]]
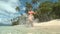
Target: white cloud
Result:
[[0, 19], [5, 21], [7, 8]]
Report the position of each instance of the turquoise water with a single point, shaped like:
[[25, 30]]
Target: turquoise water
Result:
[[12, 30]]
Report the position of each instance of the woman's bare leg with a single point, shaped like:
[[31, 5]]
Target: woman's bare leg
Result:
[[31, 23]]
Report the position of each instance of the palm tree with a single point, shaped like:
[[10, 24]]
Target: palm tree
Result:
[[17, 8], [28, 6], [44, 9], [17, 20], [34, 1]]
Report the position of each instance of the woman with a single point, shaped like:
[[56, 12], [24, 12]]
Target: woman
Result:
[[30, 17]]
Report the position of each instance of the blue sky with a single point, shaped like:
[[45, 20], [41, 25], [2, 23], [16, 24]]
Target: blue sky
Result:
[[7, 9]]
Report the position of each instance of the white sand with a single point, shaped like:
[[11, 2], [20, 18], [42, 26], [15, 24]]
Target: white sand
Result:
[[49, 23]]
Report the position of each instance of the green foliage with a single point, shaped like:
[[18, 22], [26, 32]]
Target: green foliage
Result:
[[28, 5], [15, 21], [46, 10], [35, 1], [17, 8], [56, 9]]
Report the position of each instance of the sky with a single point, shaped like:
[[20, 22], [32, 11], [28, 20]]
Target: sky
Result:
[[8, 12]]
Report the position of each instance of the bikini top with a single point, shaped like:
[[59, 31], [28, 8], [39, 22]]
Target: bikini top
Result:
[[30, 12]]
